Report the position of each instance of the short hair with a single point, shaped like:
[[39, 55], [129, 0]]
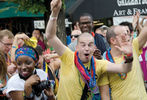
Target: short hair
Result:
[[127, 24], [36, 29], [110, 33], [86, 14], [6, 32]]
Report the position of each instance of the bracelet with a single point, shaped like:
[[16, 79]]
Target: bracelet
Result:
[[14, 46], [53, 18], [128, 58]]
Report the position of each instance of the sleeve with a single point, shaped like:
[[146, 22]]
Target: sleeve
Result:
[[67, 55], [41, 74], [14, 84], [103, 80], [101, 72]]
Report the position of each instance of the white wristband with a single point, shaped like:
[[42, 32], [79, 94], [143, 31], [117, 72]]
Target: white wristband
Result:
[[53, 18]]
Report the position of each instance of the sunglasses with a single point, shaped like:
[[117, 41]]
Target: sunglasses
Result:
[[76, 36]]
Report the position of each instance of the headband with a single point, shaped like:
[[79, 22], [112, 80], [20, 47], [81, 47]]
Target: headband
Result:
[[26, 51]]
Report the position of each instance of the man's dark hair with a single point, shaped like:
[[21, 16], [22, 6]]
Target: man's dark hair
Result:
[[86, 14], [127, 24], [37, 30]]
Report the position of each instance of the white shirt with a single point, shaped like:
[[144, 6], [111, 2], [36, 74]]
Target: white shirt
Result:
[[15, 83]]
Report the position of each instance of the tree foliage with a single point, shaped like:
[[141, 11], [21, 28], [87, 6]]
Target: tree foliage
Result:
[[33, 6], [43, 6]]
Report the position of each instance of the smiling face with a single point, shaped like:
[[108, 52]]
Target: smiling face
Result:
[[25, 66], [85, 47], [86, 24]]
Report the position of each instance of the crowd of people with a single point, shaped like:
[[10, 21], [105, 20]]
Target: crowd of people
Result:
[[108, 63]]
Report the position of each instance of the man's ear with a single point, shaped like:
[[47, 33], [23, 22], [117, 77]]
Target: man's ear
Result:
[[112, 40]]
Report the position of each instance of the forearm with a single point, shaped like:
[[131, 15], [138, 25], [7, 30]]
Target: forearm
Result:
[[27, 90], [13, 49], [16, 95], [51, 26], [126, 67], [104, 92], [142, 38]]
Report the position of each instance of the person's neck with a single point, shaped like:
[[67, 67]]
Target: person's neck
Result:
[[115, 52]]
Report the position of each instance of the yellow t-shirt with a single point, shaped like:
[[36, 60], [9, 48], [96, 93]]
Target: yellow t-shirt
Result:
[[132, 88], [71, 85]]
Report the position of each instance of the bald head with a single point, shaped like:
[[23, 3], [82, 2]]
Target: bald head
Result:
[[85, 35]]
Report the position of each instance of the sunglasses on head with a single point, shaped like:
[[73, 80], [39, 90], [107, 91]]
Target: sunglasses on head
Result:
[[76, 36]]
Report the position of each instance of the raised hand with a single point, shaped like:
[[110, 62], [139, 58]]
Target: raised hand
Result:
[[125, 47], [55, 7], [22, 36], [135, 19]]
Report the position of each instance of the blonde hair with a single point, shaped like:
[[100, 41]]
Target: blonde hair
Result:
[[6, 32]]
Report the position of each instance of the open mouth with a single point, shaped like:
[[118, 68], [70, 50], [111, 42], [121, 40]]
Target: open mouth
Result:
[[86, 55]]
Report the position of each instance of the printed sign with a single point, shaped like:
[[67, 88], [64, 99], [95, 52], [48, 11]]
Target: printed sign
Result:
[[39, 24], [109, 8]]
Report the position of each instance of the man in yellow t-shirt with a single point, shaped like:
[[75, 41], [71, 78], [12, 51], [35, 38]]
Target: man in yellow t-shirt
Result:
[[128, 86], [75, 74]]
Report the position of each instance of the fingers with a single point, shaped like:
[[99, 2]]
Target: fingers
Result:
[[125, 48], [34, 79], [22, 36], [50, 94], [55, 4]]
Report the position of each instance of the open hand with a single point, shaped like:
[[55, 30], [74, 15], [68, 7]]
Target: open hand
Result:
[[125, 47]]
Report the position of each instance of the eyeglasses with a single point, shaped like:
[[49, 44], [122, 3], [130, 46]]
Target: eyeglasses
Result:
[[76, 36], [87, 23], [6, 44]]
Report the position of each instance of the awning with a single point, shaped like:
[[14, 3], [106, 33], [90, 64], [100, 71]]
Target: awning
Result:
[[9, 10], [106, 8]]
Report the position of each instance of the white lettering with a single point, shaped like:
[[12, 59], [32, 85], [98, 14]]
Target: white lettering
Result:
[[128, 2], [144, 1], [115, 13], [141, 11], [119, 13]]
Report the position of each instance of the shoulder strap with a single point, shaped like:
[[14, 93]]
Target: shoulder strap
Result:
[[50, 74], [84, 94]]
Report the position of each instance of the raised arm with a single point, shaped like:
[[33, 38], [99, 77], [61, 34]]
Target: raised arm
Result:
[[51, 28], [18, 39], [142, 38]]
